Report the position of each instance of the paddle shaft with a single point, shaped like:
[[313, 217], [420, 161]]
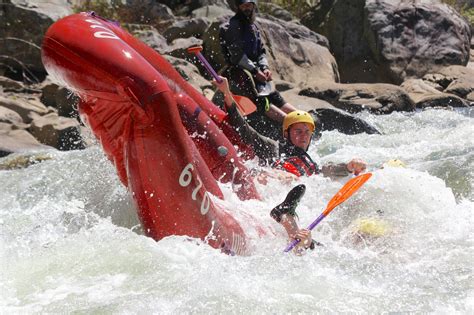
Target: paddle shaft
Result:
[[208, 67], [310, 227]]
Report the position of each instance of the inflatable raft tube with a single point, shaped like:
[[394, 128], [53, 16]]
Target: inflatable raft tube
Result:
[[143, 113]]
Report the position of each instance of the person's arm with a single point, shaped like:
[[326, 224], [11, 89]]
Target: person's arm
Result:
[[294, 232], [265, 148], [355, 166]]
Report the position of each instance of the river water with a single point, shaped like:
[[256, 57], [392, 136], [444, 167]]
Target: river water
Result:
[[70, 241]]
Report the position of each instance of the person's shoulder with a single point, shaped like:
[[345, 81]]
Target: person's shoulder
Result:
[[235, 22]]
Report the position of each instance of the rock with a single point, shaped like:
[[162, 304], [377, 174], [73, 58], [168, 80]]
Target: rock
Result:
[[189, 72], [149, 11], [185, 7], [10, 85], [295, 53], [461, 80], [336, 119], [20, 47], [150, 36], [11, 117], [23, 106], [48, 93], [67, 103], [275, 11], [211, 12], [186, 28], [425, 95], [389, 41], [377, 98], [179, 47], [17, 141], [56, 131]]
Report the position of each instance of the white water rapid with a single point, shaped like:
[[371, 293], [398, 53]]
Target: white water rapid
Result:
[[70, 241]]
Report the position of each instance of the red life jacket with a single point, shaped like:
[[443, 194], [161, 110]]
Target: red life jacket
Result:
[[298, 165]]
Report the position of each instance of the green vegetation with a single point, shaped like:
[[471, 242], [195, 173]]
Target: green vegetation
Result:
[[296, 7], [463, 7], [101, 7]]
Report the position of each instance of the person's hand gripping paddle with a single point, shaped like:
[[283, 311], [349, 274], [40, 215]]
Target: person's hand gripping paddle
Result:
[[342, 195], [244, 104]]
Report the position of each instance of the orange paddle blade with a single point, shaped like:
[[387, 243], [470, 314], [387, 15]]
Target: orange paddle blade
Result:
[[346, 191], [195, 49], [244, 105]]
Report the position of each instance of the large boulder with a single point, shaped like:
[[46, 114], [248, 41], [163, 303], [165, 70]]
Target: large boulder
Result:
[[391, 40], [22, 27], [294, 52], [377, 98]]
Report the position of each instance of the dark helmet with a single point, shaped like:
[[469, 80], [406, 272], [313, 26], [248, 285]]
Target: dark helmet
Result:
[[239, 2]]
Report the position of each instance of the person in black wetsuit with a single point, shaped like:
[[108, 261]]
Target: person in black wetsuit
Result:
[[248, 71]]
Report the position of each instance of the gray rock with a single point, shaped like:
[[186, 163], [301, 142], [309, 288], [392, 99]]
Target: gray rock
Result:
[[388, 41], [179, 47], [151, 37], [211, 12], [10, 85], [186, 28], [149, 11], [56, 131], [19, 140], [189, 72], [23, 106], [11, 117], [425, 95], [22, 27], [377, 98], [336, 119], [276, 11]]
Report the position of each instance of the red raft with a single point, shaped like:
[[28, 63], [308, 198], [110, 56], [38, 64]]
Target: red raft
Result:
[[144, 113]]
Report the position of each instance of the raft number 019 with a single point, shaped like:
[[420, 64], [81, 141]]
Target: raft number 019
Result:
[[185, 179]]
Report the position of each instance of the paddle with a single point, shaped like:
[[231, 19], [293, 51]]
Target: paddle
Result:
[[342, 195], [244, 104]]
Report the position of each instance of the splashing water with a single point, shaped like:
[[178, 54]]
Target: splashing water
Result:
[[71, 241]]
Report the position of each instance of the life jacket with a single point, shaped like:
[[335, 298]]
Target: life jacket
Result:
[[299, 165]]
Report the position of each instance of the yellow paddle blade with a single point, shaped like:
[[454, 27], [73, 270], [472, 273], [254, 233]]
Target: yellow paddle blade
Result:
[[346, 191]]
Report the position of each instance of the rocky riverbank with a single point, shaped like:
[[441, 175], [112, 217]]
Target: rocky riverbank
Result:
[[341, 58]]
